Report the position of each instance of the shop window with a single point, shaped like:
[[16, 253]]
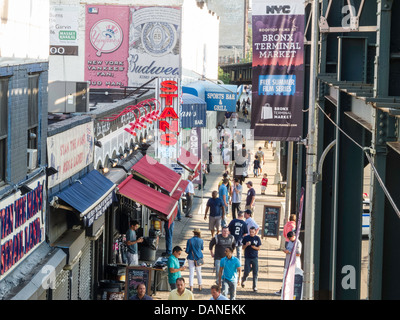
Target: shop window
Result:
[[3, 127]]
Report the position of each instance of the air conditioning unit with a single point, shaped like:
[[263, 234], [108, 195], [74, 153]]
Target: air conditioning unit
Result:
[[32, 159], [68, 97]]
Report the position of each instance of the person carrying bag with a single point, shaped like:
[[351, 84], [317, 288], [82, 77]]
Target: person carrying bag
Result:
[[194, 248]]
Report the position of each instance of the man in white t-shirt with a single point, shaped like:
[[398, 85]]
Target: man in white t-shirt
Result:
[[189, 197]]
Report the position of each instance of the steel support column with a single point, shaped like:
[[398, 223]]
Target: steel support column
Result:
[[391, 258], [349, 209], [381, 89]]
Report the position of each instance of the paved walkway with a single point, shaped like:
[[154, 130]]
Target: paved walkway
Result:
[[271, 258]]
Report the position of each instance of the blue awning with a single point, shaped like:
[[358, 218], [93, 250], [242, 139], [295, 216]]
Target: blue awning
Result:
[[193, 111], [219, 97], [90, 195]]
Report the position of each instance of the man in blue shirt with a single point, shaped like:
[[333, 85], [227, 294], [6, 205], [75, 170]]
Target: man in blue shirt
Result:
[[224, 196], [141, 293], [229, 273], [216, 293], [251, 246], [131, 242], [238, 228], [217, 212]]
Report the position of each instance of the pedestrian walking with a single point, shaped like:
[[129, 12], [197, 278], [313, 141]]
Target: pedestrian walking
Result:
[[203, 177], [194, 248], [217, 212], [131, 243], [250, 221], [291, 247], [216, 293], [179, 214], [225, 175], [227, 118], [260, 155], [220, 242], [234, 119], [245, 114], [229, 274], [141, 293], [174, 267], [224, 196], [226, 156], [248, 103], [256, 166], [189, 196], [238, 228], [180, 293], [288, 250], [251, 196], [168, 237], [236, 197], [289, 226], [251, 246], [264, 183]]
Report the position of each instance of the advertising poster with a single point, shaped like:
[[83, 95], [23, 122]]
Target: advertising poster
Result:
[[154, 44], [63, 26], [278, 70], [22, 225], [69, 152], [106, 45]]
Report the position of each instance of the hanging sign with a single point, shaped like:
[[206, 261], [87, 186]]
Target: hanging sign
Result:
[[70, 151], [21, 225], [168, 93], [278, 70]]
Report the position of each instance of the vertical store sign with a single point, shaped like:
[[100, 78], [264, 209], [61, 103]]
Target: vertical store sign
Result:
[[278, 69], [195, 149], [106, 46], [168, 93], [63, 27], [21, 225], [154, 46]]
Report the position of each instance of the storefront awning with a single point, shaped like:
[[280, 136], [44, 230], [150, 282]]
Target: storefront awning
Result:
[[150, 198], [151, 170], [90, 195], [181, 189], [193, 111], [189, 161], [219, 97], [130, 161]]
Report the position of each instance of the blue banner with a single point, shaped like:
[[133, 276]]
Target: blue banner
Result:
[[193, 115], [221, 101]]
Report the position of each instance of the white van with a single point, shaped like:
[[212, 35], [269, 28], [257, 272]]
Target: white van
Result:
[[366, 217]]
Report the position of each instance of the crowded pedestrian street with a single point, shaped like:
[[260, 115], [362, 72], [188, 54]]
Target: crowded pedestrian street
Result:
[[241, 150], [271, 257]]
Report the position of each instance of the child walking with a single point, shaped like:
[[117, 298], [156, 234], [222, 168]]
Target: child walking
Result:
[[256, 165], [264, 183]]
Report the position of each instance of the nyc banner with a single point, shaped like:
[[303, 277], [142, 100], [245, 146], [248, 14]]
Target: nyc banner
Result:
[[278, 69]]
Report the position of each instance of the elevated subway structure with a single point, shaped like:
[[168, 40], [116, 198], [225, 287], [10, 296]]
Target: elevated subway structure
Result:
[[358, 107]]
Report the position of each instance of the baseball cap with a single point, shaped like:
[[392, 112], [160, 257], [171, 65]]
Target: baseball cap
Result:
[[248, 211], [250, 183]]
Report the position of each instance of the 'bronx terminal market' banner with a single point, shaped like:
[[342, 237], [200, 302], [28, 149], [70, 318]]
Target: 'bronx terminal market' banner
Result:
[[278, 69]]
